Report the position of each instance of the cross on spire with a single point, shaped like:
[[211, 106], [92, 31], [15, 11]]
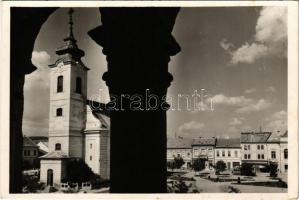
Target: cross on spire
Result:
[[70, 12]]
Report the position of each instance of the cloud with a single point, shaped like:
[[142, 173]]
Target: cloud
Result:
[[249, 91], [236, 121], [271, 89], [40, 58], [270, 37], [261, 104], [226, 45], [231, 101], [248, 53], [243, 104], [277, 122], [36, 95], [271, 26], [191, 127]]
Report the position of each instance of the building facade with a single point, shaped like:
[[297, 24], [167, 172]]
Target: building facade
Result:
[[180, 147], [30, 153], [229, 151], [260, 149], [254, 147], [204, 148], [257, 148]]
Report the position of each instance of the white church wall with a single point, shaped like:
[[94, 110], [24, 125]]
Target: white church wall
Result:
[[63, 140], [92, 147], [58, 167]]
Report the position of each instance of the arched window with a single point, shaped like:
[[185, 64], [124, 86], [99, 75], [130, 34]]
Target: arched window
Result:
[[59, 112], [59, 83], [285, 154], [78, 85], [57, 147]]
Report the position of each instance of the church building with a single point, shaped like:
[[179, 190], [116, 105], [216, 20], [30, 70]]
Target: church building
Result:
[[76, 129]]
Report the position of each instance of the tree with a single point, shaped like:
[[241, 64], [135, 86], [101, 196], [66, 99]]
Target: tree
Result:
[[77, 171], [170, 165], [247, 169], [199, 164], [273, 169], [178, 162], [220, 166]]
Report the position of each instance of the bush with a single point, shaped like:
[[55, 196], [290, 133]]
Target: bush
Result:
[[77, 172], [31, 184], [247, 169], [273, 169], [181, 187], [199, 164], [98, 182]]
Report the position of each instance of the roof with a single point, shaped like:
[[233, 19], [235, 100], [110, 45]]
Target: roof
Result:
[[27, 142], [255, 137], [204, 142], [96, 121], [179, 143], [98, 107], [43, 146], [285, 134], [38, 139], [228, 143], [54, 155]]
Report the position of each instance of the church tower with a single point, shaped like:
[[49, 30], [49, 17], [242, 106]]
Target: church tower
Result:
[[68, 88]]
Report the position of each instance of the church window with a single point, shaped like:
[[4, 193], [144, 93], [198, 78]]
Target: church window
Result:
[[78, 85], [285, 152], [60, 84], [90, 158], [59, 112], [57, 146], [90, 146]]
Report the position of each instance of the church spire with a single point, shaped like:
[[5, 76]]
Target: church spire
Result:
[[70, 40], [70, 12], [70, 51]]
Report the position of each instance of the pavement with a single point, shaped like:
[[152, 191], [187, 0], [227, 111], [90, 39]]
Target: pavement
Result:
[[208, 186]]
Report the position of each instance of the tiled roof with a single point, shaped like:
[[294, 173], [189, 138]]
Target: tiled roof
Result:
[[179, 143], [54, 155], [27, 142], [228, 143], [204, 142], [252, 137]]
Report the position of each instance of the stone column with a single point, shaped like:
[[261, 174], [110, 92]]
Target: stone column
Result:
[[25, 25], [138, 44]]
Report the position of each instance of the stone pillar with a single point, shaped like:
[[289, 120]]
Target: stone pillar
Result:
[[25, 25], [138, 44]]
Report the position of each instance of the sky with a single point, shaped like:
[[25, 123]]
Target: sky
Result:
[[238, 55]]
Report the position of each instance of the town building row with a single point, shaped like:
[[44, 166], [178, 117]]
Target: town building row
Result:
[[257, 148]]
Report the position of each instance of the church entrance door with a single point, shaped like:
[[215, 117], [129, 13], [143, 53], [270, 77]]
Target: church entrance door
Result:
[[50, 177]]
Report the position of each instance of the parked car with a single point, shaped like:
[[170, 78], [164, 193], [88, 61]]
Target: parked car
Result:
[[236, 170]]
